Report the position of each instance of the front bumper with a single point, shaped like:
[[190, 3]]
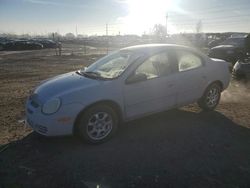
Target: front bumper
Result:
[[36, 127], [57, 124]]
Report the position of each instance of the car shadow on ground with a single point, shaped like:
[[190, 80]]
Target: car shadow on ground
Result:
[[177, 148]]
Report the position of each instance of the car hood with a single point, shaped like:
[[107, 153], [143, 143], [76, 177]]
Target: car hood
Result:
[[63, 84], [224, 47]]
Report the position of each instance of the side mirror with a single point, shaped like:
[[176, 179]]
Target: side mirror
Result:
[[136, 78]]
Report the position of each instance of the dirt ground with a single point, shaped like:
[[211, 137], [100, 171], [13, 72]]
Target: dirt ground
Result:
[[179, 148]]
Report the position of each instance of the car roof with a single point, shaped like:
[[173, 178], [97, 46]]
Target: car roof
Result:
[[152, 48]]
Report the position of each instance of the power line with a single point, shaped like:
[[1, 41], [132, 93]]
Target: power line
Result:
[[221, 8], [242, 19]]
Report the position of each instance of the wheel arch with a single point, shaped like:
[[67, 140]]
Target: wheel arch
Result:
[[114, 105], [201, 100], [210, 83], [215, 82]]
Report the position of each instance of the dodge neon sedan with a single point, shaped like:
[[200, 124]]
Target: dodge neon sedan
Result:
[[130, 83]]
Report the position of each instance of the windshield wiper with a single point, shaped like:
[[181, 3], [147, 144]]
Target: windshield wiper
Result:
[[79, 72], [96, 74], [90, 74]]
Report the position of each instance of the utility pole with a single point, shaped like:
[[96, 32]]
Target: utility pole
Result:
[[107, 33], [76, 31], [167, 24], [199, 26]]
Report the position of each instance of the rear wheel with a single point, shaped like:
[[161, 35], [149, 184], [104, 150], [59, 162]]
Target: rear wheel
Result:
[[211, 97], [97, 124]]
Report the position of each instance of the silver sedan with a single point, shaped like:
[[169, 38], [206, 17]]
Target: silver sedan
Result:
[[127, 84]]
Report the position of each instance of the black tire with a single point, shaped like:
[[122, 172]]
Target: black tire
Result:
[[95, 121], [205, 101]]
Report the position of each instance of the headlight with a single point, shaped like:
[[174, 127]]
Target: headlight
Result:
[[51, 106]]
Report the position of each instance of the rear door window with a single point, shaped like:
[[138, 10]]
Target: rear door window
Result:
[[187, 60]]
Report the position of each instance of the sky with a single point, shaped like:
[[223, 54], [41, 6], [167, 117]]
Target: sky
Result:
[[93, 17]]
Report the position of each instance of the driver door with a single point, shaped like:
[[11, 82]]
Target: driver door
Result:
[[157, 92]]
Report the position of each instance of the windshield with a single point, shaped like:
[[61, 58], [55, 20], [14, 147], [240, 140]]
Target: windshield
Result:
[[110, 66], [239, 42]]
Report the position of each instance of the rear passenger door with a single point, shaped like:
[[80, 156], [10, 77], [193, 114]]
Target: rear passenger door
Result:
[[190, 77]]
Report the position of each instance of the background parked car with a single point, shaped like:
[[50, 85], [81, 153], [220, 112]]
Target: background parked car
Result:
[[1, 46], [241, 69], [46, 43], [22, 45], [231, 49], [215, 42]]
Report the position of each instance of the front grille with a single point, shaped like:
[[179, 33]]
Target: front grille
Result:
[[42, 129]]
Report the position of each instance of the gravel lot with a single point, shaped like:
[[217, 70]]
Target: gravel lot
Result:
[[179, 148]]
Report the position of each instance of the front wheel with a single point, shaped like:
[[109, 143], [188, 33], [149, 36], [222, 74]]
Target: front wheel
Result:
[[211, 97], [97, 124]]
